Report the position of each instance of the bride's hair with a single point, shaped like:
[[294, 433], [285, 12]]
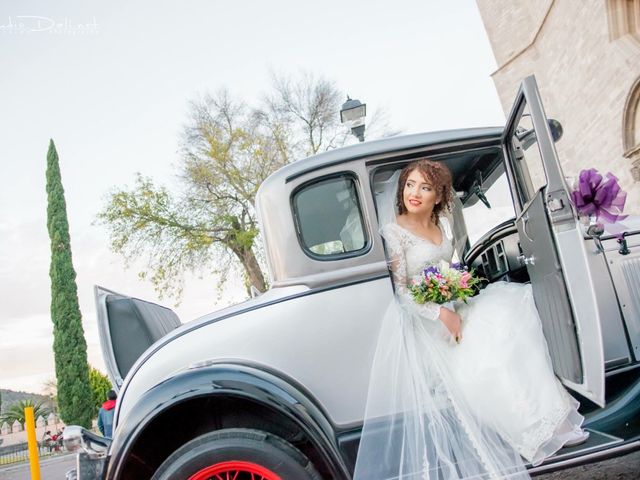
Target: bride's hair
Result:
[[440, 178]]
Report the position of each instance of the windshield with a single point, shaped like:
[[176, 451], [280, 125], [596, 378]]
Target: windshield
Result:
[[479, 219]]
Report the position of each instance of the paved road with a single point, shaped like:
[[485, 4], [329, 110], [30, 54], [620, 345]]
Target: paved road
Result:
[[50, 469], [622, 468]]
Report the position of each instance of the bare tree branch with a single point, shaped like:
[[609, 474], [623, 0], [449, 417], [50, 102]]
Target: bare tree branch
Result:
[[227, 150]]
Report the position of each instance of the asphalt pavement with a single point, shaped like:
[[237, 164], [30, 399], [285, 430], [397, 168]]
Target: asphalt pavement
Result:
[[53, 468], [621, 468]]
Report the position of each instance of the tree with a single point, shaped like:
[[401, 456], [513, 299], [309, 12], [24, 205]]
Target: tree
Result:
[[100, 385], [227, 150], [50, 390], [69, 345], [303, 114], [15, 412]]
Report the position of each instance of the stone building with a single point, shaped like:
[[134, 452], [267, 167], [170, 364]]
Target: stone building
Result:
[[585, 55]]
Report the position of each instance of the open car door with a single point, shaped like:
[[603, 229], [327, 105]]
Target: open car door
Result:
[[127, 327], [553, 248]]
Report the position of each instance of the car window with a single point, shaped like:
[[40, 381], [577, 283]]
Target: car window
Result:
[[479, 219], [329, 218], [529, 168]]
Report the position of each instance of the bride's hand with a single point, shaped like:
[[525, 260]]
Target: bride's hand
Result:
[[452, 321]]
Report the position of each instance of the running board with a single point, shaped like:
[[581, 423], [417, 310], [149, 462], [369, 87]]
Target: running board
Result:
[[598, 445]]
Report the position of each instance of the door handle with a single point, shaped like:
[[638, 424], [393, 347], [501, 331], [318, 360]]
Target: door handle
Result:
[[525, 222], [524, 260]]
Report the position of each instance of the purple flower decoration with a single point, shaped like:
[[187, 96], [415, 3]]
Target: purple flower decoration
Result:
[[599, 196], [432, 270], [458, 266]]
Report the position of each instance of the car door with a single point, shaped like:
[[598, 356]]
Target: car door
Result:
[[552, 247]]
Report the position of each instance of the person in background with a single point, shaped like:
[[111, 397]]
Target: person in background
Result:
[[105, 414], [47, 441], [56, 441]]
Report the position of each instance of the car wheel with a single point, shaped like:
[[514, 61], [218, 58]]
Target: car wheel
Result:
[[240, 454]]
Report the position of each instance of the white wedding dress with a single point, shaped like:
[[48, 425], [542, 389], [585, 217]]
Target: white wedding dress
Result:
[[441, 410]]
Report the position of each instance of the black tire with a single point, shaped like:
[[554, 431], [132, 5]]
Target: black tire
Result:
[[237, 444]]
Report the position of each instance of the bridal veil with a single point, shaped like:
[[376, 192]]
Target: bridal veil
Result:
[[417, 424]]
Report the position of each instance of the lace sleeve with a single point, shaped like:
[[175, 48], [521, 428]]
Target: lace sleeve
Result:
[[395, 243]]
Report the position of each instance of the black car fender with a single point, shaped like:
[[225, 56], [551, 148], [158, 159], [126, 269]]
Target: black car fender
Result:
[[228, 379]]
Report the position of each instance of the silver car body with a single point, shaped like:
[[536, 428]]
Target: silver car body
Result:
[[317, 325]]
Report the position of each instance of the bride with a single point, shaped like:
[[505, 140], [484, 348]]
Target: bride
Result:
[[455, 394]]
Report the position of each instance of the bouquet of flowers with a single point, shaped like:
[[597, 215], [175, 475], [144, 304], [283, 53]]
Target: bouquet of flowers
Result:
[[444, 283]]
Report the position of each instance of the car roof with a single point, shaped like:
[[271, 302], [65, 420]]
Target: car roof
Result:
[[378, 147]]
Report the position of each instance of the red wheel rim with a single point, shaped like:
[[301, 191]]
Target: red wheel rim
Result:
[[234, 470]]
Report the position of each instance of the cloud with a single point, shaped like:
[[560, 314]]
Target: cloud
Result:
[[26, 329], [24, 268], [26, 351], [34, 329]]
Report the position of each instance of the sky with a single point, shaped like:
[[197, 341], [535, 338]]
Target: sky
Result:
[[110, 83]]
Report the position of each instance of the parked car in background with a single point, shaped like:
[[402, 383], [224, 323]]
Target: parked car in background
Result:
[[276, 386]]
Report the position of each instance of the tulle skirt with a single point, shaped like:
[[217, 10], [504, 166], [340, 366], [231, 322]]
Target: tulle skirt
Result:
[[440, 410], [503, 369]]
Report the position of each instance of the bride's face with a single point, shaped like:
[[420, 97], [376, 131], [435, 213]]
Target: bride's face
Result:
[[419, 194]]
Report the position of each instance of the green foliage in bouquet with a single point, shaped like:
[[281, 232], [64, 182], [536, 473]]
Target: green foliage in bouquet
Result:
[[444, 283]]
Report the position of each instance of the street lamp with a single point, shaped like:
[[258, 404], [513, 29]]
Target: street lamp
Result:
[[352, 115]]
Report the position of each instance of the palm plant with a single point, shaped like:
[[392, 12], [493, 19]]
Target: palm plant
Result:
[[16, 411]]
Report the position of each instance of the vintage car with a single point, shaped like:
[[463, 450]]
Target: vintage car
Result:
[[275, 387]]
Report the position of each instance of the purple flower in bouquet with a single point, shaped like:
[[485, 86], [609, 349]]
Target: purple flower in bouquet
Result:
[[431, 271], [444, 283], [599, 196]]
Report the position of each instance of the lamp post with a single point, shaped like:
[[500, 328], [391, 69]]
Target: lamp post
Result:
[[352, 115]]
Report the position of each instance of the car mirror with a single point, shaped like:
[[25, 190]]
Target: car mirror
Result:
[[556, 129], [478, 191], [528, 137]]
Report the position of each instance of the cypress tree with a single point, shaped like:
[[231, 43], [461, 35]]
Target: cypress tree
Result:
[[69, 345]]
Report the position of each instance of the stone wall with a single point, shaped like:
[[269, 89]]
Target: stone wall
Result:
[[586, 58]]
